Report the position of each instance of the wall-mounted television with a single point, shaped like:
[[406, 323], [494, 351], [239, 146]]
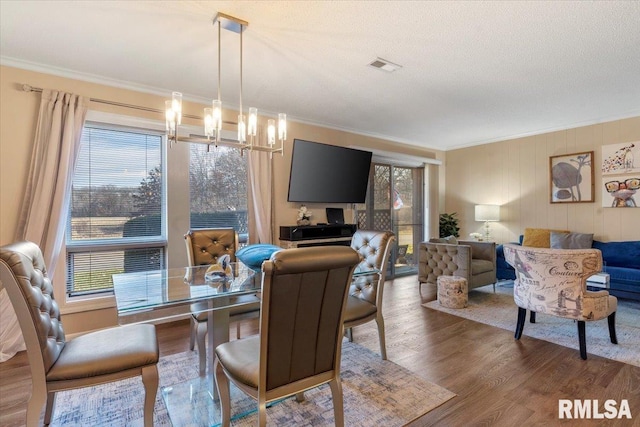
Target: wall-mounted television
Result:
[[322, 173]]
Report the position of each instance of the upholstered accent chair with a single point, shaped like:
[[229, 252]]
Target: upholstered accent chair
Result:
[[57, 364], [301, 327], [204, 247], [475, 261], [365, 295], [553, 281]]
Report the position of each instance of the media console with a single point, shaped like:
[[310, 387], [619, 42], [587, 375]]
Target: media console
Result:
[[316, 235]]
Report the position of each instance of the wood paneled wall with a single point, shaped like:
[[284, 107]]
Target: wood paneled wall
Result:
[[515, 175]]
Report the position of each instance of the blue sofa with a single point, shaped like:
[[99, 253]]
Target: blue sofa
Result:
[[620, 259]]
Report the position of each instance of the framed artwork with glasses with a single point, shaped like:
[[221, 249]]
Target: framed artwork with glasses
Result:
[[620, 191], [571, 178]]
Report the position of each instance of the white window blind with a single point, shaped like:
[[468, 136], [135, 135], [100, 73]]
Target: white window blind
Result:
[[116, 215]]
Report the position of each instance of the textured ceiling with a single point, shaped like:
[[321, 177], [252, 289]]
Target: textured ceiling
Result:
[[472, 72]]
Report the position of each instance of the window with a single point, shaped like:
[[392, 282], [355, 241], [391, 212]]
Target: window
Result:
[[218, 188], [116, 216]]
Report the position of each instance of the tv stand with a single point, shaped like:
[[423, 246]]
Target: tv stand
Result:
[[316, 235]]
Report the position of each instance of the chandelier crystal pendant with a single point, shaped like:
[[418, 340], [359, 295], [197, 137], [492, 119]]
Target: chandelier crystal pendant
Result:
[[247, 137]]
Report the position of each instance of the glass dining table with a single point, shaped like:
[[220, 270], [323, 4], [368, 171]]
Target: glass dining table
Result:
[[172, 294], [176, 292]]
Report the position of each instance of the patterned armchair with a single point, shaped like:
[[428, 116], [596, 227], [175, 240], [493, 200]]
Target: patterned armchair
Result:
[[553, 281]]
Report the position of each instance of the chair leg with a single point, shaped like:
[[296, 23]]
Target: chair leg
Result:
[[51, 401], [349, 334], [532, 317], [192, 338], [222, 383], [150, 381], [383, 346], [338, 409], [582, 339], [300, 397], [201, 333], [238, 329], [522, 315], [612, 327], [36, 402]]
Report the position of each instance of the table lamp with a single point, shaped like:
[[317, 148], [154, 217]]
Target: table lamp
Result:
[[487, 213]]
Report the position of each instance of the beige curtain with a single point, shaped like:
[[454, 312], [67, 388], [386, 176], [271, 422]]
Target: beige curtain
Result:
[[260, 197], [55, 150], [47, 195]]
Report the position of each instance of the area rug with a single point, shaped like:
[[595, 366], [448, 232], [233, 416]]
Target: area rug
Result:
[[376, 392], [498, 309]]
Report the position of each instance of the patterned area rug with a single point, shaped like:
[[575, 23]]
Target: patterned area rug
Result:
[[376, 392], [499, 310]]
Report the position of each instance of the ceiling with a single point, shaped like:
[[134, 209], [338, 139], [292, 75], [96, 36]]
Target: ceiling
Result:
[[472, 72]]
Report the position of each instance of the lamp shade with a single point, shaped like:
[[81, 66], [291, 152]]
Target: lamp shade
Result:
[[487, 213]]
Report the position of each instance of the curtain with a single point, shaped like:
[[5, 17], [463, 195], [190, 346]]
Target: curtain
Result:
[[260, 197], [47, 194]]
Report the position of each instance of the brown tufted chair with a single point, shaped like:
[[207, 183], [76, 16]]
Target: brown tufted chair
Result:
[[204, 247], [365, 295], [475, 261], [56, 364], [301, 327]]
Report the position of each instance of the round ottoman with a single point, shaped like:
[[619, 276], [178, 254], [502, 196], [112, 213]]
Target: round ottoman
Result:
[[452, 291]]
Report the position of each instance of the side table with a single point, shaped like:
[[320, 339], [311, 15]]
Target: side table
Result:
[[453, 291]]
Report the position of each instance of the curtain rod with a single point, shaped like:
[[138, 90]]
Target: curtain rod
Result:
[[29, 88]]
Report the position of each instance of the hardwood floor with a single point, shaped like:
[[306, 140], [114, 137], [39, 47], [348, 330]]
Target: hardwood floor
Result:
[[498, 381]]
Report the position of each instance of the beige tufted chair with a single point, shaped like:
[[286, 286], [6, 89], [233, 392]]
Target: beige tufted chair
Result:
[[204, 247], [554, 282], [301, 324], [56, 364], [475, 261], [365, 295]]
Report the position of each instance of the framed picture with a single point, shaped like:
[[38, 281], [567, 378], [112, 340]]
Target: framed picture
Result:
[[621, 158], [571, 178], [619, 191]]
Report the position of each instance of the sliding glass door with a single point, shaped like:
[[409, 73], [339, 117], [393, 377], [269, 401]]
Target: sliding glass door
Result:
[[394, 202]]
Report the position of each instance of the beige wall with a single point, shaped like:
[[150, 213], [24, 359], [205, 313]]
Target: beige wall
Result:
[[18, 115], [515, 175]]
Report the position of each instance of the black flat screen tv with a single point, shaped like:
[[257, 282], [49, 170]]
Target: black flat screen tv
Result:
[[322, 173]]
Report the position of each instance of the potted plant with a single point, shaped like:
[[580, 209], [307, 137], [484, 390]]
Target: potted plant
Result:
[[449, 225]]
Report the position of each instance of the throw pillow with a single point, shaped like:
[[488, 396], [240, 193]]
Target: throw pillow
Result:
[[254, 255], [539, 237], [571, 240], [452, 240]]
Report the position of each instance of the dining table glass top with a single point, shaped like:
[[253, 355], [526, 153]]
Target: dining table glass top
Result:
[[174, 290], [157, 294]]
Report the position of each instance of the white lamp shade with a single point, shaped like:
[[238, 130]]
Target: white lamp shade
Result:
[[487, 213]]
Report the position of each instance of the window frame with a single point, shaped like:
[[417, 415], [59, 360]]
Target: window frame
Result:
[[118, 122]]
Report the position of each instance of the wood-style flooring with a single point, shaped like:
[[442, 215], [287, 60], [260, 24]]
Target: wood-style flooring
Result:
[[498, 381]]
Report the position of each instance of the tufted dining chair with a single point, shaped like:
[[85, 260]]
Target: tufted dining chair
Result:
[[301, 329], [554, 282], [57, 364], [204, 247], [365, 295]]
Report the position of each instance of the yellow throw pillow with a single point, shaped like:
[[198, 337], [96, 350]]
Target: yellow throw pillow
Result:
[[539, 237]]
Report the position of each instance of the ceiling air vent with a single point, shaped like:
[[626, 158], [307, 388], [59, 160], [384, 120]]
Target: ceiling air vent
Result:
[[384, 65]]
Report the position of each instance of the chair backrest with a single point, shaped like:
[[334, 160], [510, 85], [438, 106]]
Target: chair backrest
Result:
[[24, 276], [553, 281], [206, 245], [303, 298], [374, 248]]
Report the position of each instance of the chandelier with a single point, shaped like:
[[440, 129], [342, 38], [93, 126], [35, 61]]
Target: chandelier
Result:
[[247, 137]]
